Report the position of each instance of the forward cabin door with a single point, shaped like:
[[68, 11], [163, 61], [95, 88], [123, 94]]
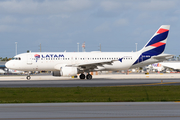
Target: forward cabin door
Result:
[[29, 59]]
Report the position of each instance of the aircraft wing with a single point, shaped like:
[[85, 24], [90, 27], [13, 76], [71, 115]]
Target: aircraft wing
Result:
[[162, 57], [93, 65], [88, 65], [174, 65]]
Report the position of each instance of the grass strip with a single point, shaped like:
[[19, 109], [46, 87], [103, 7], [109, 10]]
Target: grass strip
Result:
[[90, 94]]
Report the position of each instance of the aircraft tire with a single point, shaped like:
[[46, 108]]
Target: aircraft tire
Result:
[[28, 77], [82, 76], [89, 76]]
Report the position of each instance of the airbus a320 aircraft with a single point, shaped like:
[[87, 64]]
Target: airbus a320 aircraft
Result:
[[73, 63]]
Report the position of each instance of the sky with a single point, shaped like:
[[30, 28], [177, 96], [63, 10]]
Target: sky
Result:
[[58, 25]]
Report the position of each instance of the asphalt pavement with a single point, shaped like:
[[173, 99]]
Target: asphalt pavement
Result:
[[91, 111]]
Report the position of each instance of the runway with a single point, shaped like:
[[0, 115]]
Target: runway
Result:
[[98, 81], [92, 111]]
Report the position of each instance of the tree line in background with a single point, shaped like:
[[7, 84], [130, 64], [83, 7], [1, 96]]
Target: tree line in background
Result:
[[176, 58], [5, 59]]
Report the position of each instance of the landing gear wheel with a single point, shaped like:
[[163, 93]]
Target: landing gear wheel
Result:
[[89, 76], [28, 77], [82, 76]]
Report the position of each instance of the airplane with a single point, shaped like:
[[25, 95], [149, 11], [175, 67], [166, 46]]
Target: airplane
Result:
[[171, 64], [72, 63], [15, 71], [2, 67], [156, 66], [2, 71]]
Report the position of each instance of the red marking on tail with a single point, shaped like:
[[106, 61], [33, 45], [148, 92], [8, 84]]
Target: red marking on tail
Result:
[[158, 44], [161, 30]]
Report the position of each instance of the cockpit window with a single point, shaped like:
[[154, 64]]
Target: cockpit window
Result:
[[16, 58]]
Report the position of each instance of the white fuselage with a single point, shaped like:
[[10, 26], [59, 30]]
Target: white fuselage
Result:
[[171, 64], [52, 61]]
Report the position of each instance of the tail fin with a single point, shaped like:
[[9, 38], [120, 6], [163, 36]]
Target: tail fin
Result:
[[155, 46], [157, 43]]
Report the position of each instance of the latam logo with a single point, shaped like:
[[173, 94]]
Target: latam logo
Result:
[[37, 56], [52, 55], [120, 59]]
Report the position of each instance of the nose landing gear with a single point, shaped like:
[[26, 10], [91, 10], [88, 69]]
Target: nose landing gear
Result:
[[28, 76]]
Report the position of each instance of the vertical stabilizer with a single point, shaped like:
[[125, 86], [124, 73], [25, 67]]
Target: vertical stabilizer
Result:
[[157, 43], [155, 46]]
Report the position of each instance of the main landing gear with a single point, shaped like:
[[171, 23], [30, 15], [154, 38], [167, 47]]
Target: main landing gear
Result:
[[88, 76], [28, 76]]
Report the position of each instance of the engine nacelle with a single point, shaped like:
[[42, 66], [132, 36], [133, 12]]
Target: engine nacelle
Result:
[[56, 73], [66, 72]]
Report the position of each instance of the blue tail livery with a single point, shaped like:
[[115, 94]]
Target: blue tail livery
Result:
[[155, 46]]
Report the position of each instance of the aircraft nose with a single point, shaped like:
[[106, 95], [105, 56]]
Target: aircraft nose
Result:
[[8, 64]]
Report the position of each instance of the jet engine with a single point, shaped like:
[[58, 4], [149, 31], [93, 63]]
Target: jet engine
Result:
[[66, 72]]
